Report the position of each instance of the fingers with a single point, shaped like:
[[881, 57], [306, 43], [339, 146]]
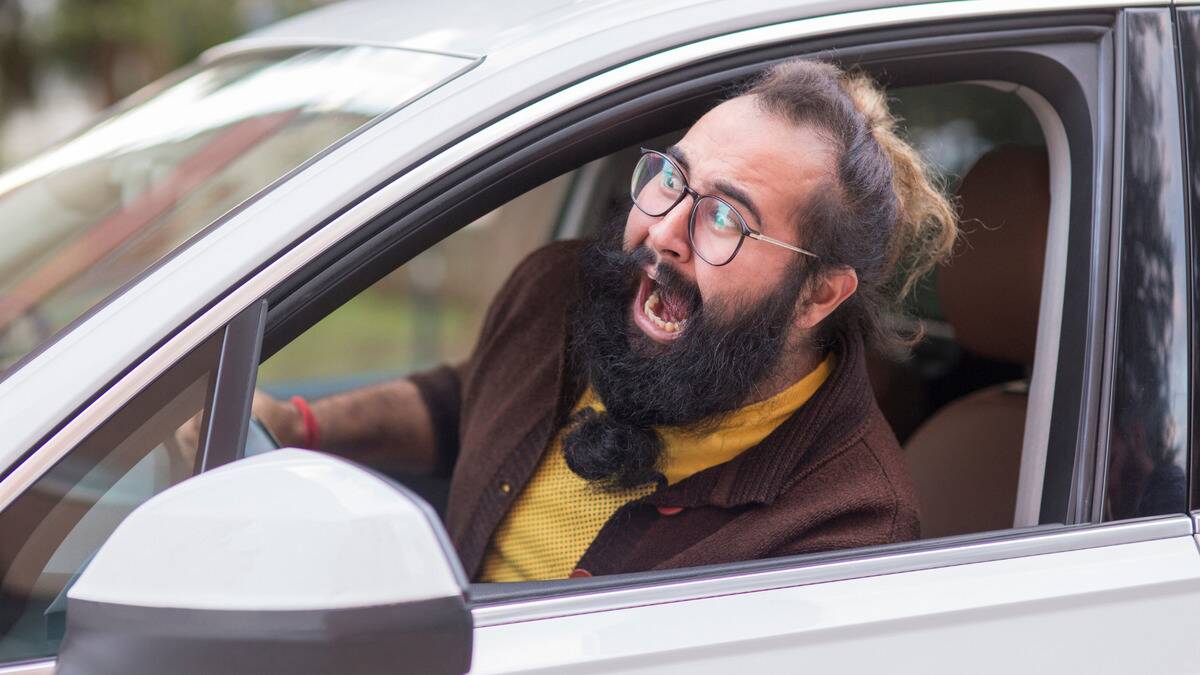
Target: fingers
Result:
[[280, 417]]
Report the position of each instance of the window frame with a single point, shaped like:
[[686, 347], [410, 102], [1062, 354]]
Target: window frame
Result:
[[1187, 43], [469, 191], [1146, 175], [443, 205]]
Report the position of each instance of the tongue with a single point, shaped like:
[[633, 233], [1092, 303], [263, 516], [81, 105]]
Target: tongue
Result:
[[673, 308]]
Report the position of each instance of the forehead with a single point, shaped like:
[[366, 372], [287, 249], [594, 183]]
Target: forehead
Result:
[[774, 161]]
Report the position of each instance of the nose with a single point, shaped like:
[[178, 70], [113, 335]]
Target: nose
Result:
[[669, 235]]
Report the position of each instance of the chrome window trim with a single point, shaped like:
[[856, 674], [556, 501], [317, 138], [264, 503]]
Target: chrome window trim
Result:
[[30, 668], [539, 111], [1040, 543]]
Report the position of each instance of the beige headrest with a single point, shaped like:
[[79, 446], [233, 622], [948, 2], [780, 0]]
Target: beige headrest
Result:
[[991, 287]]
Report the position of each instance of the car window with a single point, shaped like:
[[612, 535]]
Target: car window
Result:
[[52, 530], [973, 368], [1147, 448], [429, 310], [83, 219], [1189, 45]]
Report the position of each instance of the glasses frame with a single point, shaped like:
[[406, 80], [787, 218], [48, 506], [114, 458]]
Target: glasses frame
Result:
[[746, 230]]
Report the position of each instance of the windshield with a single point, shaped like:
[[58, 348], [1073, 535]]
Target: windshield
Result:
[[88, 216]]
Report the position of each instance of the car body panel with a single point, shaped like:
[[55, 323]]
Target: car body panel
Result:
[[1074, 611], [480, 27]]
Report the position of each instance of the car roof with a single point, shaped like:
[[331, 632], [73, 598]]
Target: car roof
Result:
[[481, 27]]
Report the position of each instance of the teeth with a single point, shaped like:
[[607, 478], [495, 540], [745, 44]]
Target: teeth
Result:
[[648, 307], [651, 303]]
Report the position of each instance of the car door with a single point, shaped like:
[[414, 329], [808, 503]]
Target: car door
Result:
[[1064, 573], [1110, 596], [1080, 581]]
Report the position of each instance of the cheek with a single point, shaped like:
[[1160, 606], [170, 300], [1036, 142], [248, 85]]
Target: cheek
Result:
[[742, 282], [636, 228], [709, 281]]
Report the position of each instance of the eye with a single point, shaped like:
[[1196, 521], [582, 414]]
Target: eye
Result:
[[723, 218], [669, 179]]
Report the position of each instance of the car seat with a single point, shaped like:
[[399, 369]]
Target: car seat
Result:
[[965, 458]]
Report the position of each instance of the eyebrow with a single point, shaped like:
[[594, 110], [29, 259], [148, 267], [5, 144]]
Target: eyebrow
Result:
[[676, 154], [739, 195], [723, 186]]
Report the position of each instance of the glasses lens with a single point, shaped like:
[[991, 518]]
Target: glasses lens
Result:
[[656, 185], [716, 230]]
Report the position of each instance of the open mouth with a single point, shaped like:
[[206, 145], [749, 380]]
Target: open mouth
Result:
[[660, 314]]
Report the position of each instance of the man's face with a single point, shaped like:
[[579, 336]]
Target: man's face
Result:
[[766, 168], [729, 328]]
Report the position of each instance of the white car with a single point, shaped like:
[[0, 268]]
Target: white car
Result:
[[150, 263]]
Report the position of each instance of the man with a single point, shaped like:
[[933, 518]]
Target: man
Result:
[[690, 388]]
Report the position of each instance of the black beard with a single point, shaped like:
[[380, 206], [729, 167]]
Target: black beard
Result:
[[713, 368]]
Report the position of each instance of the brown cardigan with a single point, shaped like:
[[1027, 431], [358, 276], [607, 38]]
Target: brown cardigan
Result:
[[832, 476]]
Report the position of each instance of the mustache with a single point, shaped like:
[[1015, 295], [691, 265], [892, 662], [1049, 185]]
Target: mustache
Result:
[[667, 277]]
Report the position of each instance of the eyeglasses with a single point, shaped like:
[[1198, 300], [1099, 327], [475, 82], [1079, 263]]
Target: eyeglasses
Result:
[[715, 229]]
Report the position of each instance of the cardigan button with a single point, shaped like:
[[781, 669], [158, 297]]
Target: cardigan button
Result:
[[505, 487], [669, 510], [579, 573]]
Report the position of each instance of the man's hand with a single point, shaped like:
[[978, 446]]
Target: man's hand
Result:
[[280, 417], [385, 425]]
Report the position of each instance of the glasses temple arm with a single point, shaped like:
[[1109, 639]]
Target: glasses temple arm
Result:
[[762, 237]]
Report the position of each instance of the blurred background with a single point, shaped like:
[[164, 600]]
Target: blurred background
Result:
[[63, 61]]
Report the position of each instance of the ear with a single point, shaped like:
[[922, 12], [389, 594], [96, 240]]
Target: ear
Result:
[[831, 291]]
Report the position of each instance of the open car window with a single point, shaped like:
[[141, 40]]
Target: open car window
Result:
[[429, 310]]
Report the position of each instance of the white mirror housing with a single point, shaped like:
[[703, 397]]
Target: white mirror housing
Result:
[[291, 561]]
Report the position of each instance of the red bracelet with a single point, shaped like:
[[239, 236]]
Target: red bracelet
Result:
[[311, 431]]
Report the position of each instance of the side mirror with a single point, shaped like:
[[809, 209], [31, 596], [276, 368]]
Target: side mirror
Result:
[[287, 562]]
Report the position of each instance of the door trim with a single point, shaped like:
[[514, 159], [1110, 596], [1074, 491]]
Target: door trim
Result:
[[1039, 543]]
